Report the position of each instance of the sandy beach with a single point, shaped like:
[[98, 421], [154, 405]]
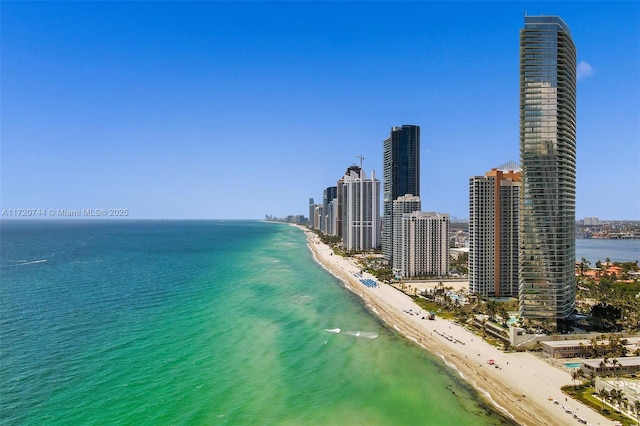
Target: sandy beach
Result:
[[519, 384]]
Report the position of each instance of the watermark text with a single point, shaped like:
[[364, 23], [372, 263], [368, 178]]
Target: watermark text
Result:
[[111, 213]]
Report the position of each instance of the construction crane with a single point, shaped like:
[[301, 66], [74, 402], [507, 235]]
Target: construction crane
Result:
[[361, 158]]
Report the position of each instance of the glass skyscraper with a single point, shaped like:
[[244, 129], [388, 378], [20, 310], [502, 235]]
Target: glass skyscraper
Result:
[[547, 286], [401, 167]]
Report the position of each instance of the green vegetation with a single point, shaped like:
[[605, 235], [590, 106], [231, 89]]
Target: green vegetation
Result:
[[433, 307], [586, 394], [612, 300], [460, 264]]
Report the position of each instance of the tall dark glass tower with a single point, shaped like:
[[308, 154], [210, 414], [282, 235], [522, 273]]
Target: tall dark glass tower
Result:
[[547, 286], [401, 167]]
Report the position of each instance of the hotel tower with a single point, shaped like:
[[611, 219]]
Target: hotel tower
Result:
[[360, 210], [547, 287], [494, 206]]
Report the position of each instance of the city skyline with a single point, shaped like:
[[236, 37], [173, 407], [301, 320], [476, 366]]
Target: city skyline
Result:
[[189, 110]]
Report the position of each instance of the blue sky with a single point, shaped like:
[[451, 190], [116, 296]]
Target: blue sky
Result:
[[236, 110]]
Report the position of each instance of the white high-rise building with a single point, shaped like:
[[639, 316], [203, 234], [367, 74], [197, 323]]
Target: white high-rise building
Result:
[[591, 221], [360, 211], [424, 244], [405, 204], [493, 233], [333, 217]]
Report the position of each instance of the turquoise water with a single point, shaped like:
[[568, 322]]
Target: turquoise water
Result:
[[573, 365], [201, 323]]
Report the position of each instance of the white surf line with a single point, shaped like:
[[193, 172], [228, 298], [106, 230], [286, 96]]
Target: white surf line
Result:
[[448, 364], [29, 263], [476, 386], [500, 407], [414, 340]]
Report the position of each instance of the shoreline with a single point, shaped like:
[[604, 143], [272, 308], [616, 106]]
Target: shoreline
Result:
[[519, 385]]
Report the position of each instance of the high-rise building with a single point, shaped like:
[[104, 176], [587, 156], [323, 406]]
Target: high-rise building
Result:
[[360, 211], [340, 198], [401, 165], [401, 205], [494, 202], [547, 285], [317, 216], [312, 213], [424, 244], [328, 195], [591, 221]]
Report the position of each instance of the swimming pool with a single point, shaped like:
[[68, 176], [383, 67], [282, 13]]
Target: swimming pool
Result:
[[573, 364]]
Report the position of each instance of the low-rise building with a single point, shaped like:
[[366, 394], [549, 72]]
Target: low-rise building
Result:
[[580, 348], [566, 348], [630, 388], [612, 366]]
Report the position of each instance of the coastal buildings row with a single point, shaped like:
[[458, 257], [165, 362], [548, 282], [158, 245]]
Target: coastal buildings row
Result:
[[350, 210], [298, 219], [592, 227], [413, 243], [527, 248], [521, 218]]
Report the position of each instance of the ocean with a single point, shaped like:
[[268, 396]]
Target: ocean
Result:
[[201, 323]]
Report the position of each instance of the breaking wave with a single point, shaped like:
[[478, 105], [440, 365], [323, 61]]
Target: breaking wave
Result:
[[365, 334]]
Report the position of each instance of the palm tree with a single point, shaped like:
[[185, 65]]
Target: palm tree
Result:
[[492, 307], [619, 397], [615, 362], [584, 265], [574, 376], [504, 313], [613, 395], [636, 406], [594, 346], [602, 393], [604, 364], [615, 345]]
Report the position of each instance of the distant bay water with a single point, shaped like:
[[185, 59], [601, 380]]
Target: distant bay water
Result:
[[594, 249], [201, 323]]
